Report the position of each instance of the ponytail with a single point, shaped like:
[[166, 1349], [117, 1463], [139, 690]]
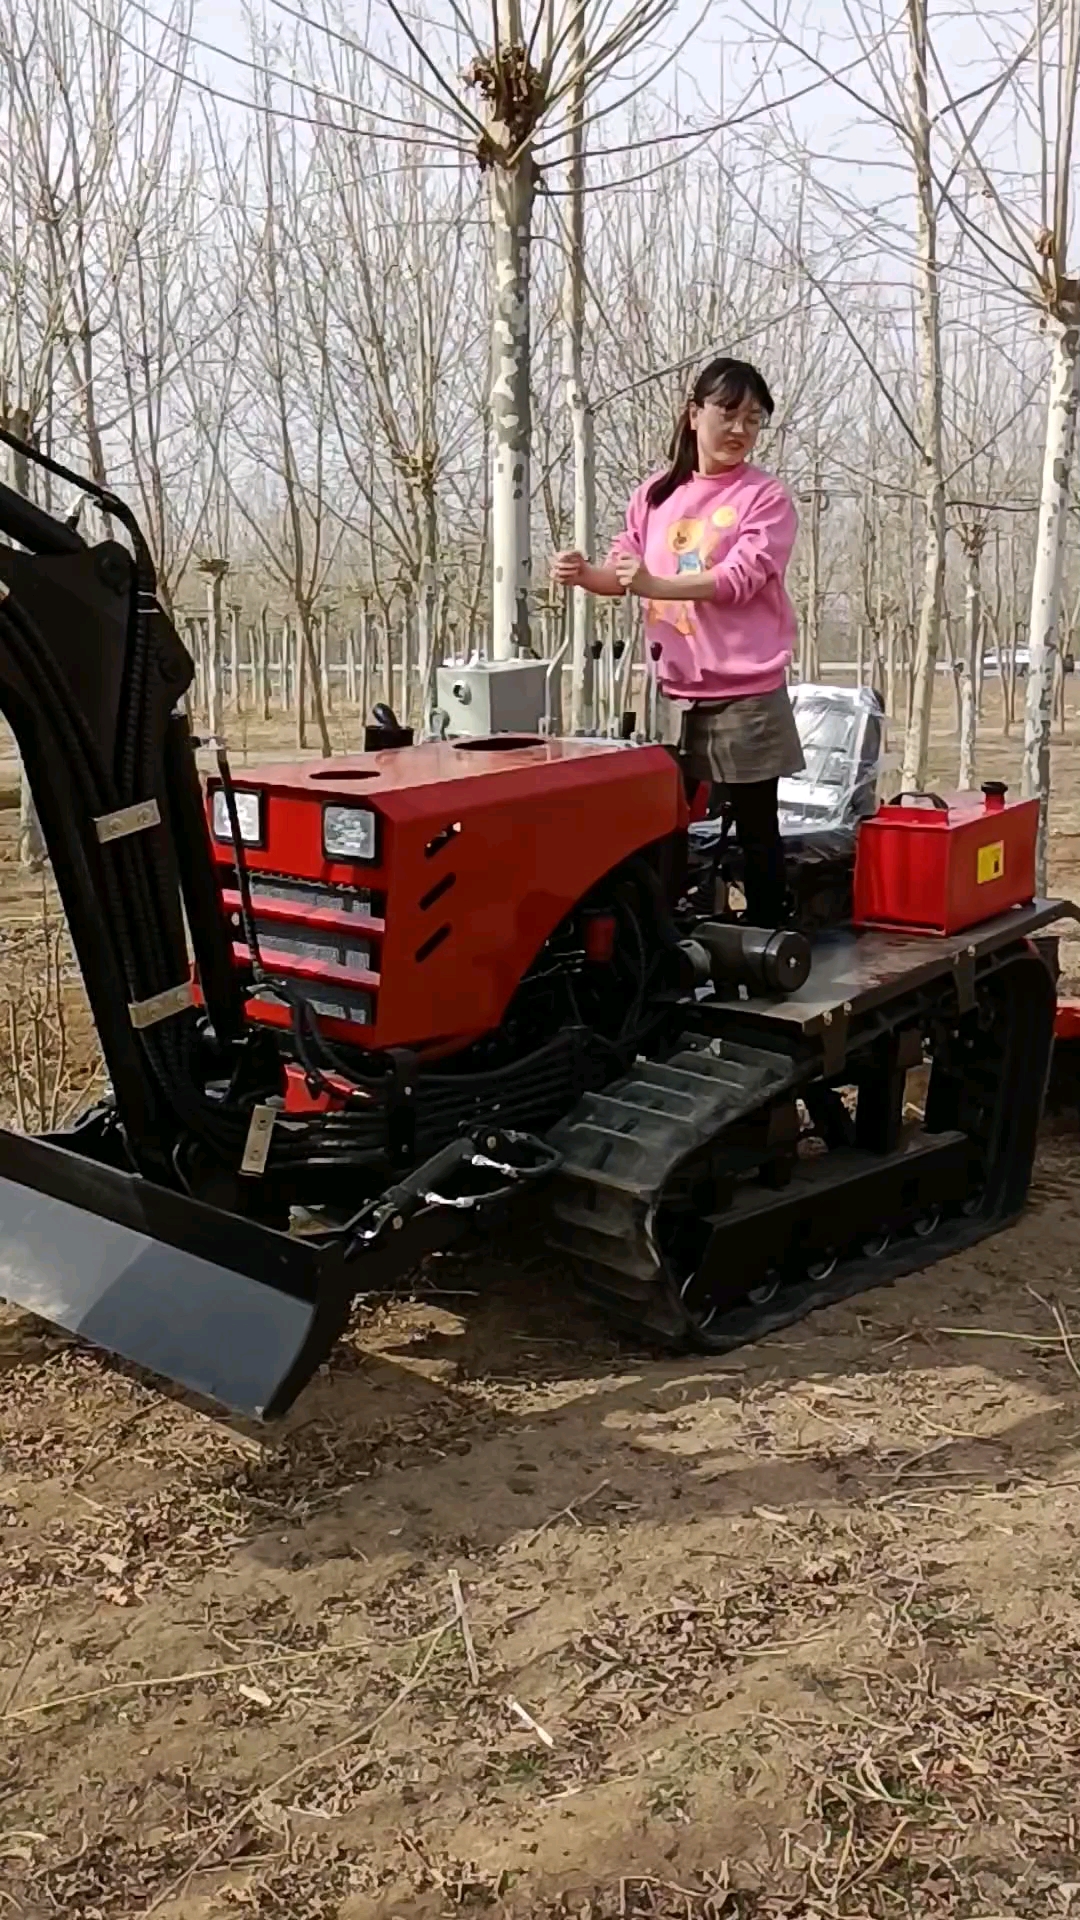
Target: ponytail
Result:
[[682, 454]]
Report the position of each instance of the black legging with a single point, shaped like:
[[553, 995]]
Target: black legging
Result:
[[757, 828]]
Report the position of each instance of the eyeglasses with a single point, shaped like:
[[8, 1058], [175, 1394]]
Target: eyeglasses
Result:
[[753, 420]]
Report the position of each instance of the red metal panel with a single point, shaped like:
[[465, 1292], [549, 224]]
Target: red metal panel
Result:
[[481, 852], [1067, 1020], [942, 868]]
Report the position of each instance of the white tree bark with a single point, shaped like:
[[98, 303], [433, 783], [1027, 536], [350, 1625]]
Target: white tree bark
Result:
[[974, 538], [351, 645], [1048, 576], [32, 851], [580, 609], [427, 594], [301, 668], [235, 697], [388, 661], [366, 664], [322, 630], [214, 702], [931, 397], [511, 409], [264, 662], [811, 647], [513, 188]]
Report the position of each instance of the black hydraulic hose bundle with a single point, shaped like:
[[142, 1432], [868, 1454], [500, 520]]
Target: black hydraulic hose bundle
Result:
[[135, 868], [130, 882]]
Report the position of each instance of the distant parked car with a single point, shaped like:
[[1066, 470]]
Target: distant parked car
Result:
[[1023, 659]]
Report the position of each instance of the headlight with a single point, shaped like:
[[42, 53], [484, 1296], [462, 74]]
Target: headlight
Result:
[[349, 833], [248, 814]]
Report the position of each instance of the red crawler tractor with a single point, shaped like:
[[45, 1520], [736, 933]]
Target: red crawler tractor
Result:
[[394, 992]]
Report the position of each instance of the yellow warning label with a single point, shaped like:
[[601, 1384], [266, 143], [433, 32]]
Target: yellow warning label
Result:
[[990, 863]]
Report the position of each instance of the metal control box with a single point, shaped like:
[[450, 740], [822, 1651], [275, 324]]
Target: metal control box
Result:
[[492, 696]]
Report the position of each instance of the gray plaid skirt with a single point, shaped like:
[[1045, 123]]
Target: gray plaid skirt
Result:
[[736, 741]]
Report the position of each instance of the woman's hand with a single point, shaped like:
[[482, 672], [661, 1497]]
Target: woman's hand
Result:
[[632, 574], [568, 569], [573, 570]]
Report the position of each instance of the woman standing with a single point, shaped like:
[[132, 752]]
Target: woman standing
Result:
[[706, 546]]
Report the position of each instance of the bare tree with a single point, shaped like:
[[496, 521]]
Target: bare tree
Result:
[[1060, 294]]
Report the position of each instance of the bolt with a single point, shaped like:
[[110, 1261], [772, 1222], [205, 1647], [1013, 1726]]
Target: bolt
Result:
[[491, 1143], [113, 568], [397, 1222]]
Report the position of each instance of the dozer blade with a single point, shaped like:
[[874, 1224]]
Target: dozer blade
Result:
[[223, 1306]]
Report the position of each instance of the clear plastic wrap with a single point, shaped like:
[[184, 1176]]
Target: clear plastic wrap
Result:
[[841, 730]]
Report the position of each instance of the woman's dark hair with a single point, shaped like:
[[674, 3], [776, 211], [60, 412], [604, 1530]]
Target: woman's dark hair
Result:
[[729, 381]]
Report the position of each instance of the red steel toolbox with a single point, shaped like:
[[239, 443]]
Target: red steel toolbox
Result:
[[935, 865]]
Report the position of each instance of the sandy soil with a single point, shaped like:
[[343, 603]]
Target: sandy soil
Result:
[[796, 1633]]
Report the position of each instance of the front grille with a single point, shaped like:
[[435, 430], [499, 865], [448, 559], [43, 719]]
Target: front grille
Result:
[[354, 954], [307, 893], [292, 937]]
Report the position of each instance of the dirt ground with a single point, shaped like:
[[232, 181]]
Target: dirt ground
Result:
[[795, 1633]]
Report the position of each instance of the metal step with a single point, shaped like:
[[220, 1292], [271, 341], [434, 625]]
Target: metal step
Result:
[[633, 1134]]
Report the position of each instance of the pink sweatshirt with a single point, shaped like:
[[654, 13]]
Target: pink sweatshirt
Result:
[[739, 526]]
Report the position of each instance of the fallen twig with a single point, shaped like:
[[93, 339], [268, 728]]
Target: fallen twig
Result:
[[1001, 1333], [148, 1682], [522, 1713], [1063, 1328], [565, 1513], [466, 1630]]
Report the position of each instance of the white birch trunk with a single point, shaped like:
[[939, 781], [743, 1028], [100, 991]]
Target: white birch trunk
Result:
[[890, 668], [323, 629], [969, 692], [264, 663], [931, 384], [214, 702], [234, 660], [32, 852], [300, 657], [1047, 580], [365, 665], [388, 662], [580, 611], [812, 635], [405, 657], [427, 595], [350, 665], [197, 691], [512, 193]]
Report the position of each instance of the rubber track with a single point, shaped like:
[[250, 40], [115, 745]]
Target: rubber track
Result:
[[620, 1150], [622, 1147]]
